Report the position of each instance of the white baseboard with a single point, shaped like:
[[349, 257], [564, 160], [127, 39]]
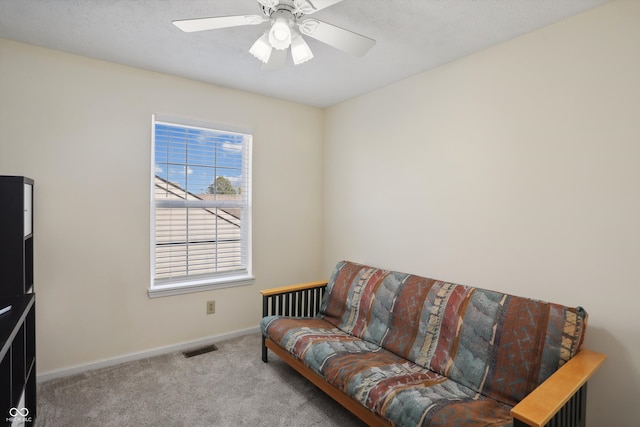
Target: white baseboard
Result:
[[65, 372]]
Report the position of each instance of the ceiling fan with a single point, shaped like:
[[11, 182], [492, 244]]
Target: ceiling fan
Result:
[[287, 24]]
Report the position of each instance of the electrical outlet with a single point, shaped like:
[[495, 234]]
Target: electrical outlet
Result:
[[211, 307]]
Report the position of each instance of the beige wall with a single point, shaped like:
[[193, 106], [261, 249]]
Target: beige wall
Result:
[[515, 169], [82, 129]]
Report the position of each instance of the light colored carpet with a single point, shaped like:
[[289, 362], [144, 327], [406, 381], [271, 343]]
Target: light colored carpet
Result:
[[228, 387]]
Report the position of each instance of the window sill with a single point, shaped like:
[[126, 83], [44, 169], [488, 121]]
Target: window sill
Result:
[[187, 287]]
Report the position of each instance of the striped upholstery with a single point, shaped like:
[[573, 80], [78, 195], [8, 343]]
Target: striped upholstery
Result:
[[417, 351]]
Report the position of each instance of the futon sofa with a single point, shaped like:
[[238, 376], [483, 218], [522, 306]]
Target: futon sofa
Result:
[[404, 350]]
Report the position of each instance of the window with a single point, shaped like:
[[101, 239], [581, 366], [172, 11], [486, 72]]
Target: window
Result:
[[201, 208]]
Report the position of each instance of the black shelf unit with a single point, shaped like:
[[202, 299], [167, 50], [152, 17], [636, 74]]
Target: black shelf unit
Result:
[[17, 325], [18, 360]]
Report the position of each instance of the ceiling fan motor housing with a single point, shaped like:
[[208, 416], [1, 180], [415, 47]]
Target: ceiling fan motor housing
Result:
[[284, 5]]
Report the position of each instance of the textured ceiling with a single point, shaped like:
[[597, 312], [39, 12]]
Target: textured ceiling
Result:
[[412, 36]]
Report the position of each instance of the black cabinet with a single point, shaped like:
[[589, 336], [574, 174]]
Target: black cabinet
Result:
[[18, 360], [18, 323], [16, 235]]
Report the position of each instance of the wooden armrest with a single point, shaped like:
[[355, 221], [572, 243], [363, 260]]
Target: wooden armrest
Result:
[[293, 288], [542, 403], [301, 300]]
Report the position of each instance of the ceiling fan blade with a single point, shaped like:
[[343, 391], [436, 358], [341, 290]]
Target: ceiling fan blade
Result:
[[345, 40], [202, 24], [269, 3], [319, 4], [277, 60]]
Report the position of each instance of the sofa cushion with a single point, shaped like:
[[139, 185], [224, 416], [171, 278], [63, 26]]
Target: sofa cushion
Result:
[[394, 388], [499, 345]]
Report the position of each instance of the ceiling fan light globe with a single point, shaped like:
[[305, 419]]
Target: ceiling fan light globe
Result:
[[280, 34], [300, 51], [261, 49]]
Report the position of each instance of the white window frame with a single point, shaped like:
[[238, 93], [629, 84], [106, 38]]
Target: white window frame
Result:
[[176, 286]]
